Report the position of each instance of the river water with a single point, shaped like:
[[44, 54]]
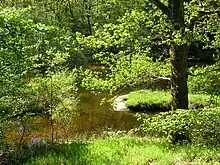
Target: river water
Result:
[[94, 119]]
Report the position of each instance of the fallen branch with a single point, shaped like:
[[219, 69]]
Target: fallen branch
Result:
[[161, 78]]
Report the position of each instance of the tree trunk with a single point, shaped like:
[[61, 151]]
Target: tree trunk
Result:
[[179, 76], [178, 54]]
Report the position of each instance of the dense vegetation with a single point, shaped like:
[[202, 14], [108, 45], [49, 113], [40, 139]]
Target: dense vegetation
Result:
[[52, 51]]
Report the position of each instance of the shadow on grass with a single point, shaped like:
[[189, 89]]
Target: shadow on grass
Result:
[[105, 151], [75, 153]]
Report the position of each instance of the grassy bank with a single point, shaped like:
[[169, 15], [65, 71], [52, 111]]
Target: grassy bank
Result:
[[153, 99], [121, 151]]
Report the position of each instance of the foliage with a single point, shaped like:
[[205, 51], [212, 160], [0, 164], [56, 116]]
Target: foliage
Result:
[[111, 29], [26, 49], [110, 11], [123, 151], [54, 97], [68, 15], [128, 38], [57, 93], [197, 126], [139, 34], [133, 73], [1, 137], [202, 100], [19, 105], [15, 64], [207, 80]]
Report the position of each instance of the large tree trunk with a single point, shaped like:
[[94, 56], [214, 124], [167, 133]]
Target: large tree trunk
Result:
[[179, 76], [178, 54]]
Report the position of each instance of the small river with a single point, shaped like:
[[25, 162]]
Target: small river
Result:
[[94, 119]]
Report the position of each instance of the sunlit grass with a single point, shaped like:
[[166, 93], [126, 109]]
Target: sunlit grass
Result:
[[200, 99], [148, 97], [159, 98], [126, 151]]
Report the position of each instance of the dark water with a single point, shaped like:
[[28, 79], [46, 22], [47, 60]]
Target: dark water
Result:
[[93, 119]]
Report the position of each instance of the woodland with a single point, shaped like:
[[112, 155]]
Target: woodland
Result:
[[63, 63]]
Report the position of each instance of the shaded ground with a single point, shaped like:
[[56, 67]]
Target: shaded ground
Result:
[[152, 108]]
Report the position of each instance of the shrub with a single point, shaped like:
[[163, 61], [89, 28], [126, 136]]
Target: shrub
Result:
[[58, 91], [54, 96], [197, 126]]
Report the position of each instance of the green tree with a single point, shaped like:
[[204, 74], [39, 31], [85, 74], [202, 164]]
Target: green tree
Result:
[[25, 48], [71, 15], [174, 23], [176, 12]]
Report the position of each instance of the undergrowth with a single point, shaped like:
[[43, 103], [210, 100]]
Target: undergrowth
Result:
[[199, 127]]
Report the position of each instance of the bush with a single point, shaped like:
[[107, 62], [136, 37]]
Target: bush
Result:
[[197, 126], [59, 91], [54, 96]]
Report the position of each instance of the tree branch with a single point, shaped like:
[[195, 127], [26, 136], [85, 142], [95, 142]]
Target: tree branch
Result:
[[161, 6], [161, 78]]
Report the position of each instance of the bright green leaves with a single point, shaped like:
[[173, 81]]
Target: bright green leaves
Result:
[[196, 126], [205, 79], [109, 11], [124, 48], [14, 32], [26, 48], [125, 70], [202, 20], [57, 94]]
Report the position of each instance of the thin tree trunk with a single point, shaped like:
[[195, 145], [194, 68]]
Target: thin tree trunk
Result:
[[23, 130]]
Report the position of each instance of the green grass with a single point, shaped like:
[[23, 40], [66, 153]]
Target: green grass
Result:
[[126, 151], [201, 99], [149, 97]]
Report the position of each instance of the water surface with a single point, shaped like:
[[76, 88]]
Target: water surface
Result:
[[93, 119]]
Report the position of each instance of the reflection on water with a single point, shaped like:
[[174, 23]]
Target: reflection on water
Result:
[[93, 118]]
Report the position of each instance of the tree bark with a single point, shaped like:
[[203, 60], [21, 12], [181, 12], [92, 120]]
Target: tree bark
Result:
[[179, 76], [178, 54]]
